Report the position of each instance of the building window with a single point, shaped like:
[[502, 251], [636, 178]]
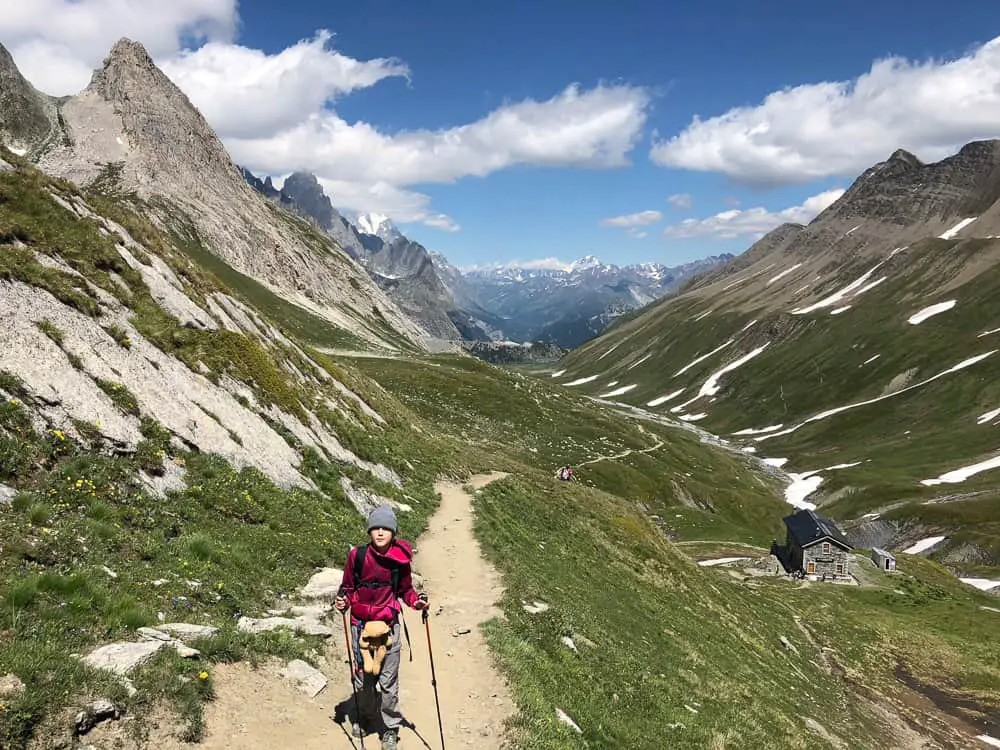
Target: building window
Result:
[[826, 548], [840, 569]]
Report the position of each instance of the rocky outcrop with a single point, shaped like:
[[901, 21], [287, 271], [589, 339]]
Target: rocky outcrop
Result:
[[904, 191], [28, 118], [133, 128]]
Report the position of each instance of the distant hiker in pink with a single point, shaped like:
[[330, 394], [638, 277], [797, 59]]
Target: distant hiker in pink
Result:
[[376, 576]]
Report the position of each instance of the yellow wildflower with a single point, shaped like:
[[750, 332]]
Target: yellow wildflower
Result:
[[203, 675]]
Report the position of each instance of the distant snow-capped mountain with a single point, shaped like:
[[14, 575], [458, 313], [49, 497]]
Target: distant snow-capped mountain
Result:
[[378, 225], [570, 304], [566, 304]]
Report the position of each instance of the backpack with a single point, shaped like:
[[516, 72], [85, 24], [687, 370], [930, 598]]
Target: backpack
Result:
[[394, 573]]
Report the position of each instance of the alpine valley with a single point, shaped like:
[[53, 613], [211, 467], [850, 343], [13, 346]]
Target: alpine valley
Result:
[[207, 383]]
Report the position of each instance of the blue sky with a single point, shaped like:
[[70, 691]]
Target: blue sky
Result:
[[393, 111]]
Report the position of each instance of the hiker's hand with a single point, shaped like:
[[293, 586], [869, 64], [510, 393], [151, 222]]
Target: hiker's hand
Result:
[[340, 603], [421, 602]]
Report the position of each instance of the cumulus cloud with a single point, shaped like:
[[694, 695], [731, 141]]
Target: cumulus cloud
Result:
[[285, 88], [754, 222], [575, 128], [683, 201], [276, 112], [58, 43], [841, 128], [633, 220]]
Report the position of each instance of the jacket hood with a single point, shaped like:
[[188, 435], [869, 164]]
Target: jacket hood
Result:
[[400, 551]]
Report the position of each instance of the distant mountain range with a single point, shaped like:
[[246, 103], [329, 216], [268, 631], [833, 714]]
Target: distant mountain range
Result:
[[565, 306]]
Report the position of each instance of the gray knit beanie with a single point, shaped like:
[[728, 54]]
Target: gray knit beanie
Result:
[[383, 517]]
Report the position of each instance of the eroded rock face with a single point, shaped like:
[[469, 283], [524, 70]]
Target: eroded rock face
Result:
[[27, 116], [132, 115]]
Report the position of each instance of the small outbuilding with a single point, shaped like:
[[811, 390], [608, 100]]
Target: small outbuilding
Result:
[[815, 547], [884, 560]]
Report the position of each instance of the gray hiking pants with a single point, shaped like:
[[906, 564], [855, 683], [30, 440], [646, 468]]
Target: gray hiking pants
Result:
[[379, 696]]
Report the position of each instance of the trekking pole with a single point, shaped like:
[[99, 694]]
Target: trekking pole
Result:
[[350, 666], [430, 651]]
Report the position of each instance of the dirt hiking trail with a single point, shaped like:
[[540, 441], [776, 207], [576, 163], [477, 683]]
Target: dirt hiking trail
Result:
[[258, 710]]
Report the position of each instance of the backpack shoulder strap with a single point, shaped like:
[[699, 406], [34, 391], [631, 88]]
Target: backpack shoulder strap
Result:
[[359, 562]]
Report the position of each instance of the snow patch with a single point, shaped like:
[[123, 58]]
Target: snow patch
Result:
[[831, 412], [558, 373], [957, 228], [693, 417], [928, 312], [960, 475], [851, 231], [636, 364], [581, 381], [782, 274], [609, 351], [870, 360], [985, 738], [776, 462], [703, 315], [702, 358], [983, 584], [840, 310], [988, 333], [923, 545], [720, 561], [806, 483], [664, 399], [836, 297], [988, 416], [711, 386], [761, 431], [618, 391]]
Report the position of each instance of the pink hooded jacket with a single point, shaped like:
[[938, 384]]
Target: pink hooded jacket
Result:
[[378, 603]]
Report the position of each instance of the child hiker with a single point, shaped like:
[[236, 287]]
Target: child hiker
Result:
[[371, 588]]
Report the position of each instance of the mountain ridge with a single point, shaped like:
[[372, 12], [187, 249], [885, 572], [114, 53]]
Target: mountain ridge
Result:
[[836, 344]]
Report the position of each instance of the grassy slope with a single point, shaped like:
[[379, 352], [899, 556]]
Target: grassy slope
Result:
[[817, 363], [669, 635], [80, 510], [688, 637]]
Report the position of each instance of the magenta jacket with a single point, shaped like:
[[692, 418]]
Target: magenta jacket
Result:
[[378, 603]]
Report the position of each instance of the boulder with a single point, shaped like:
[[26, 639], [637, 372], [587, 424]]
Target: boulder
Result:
[[306, 678], [324, 585]]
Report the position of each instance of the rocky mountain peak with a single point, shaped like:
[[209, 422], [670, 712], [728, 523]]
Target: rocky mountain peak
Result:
[[904, 158], [904, 191], [27, 117], [305, 192]]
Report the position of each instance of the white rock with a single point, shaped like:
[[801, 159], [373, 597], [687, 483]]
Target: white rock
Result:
[[10, 686], [536, 608], [122, 658], [308, 679], [299, 625], [7, 494], [564, 718], [186, 631], [324, 584]]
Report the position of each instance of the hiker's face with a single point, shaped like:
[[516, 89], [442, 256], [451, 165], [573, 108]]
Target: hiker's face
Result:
[[381, 537]]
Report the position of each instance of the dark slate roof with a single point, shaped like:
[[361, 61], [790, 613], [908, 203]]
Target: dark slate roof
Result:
[[807, 528]]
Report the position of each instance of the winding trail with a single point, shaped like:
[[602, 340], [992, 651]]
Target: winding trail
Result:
[[624, 454], [258, 710]]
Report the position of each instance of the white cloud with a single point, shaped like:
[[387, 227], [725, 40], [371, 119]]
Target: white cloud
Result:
[[754, 222], [633, 220], [222, 80], [274, 112], [58, 43], [595, 128], [637, 234], [841, 128], [682, 201]]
